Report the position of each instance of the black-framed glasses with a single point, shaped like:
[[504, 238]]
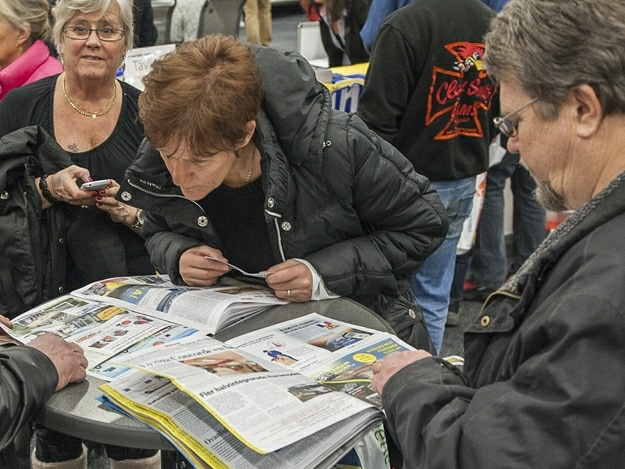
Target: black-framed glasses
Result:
[[506, 125], [105, 33]]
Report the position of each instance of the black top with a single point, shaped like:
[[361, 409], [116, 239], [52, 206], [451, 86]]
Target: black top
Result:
[[97, 246], [238, 217]]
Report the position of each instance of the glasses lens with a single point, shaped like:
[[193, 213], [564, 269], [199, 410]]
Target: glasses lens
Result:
[[109, 34], [505, 126]]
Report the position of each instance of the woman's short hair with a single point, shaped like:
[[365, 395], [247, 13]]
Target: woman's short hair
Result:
[[204, 95], [36, 13], [550, 46], [65, 10]]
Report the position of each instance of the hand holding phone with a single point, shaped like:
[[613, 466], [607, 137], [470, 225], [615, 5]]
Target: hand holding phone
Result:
[[94, 185]]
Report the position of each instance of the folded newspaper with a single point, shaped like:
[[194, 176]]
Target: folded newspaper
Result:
[[121, 315], [298, 391]]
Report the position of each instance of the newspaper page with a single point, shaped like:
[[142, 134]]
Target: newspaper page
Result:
[[102, 330], [338, 354], [207, 443], [208, 308], [263, 404]]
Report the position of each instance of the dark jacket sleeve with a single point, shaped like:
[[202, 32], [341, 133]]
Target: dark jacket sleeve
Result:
[[146, 33], [27, 380]]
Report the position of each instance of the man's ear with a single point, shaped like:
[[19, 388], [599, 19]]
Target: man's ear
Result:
[[588, 110]]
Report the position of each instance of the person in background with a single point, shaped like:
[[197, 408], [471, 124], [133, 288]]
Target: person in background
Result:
[[544, 376], [488, 265], [25, 26], [275, 179], [340, 24], [145, 30], [378, 12], [94, 117], [185, 20], [258, 21], [426, 92], [29, 374]]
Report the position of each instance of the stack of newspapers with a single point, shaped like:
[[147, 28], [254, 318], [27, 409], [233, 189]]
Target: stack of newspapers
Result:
[[293, 395]]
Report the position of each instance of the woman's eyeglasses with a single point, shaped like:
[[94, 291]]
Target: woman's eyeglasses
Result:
[[105, 33]]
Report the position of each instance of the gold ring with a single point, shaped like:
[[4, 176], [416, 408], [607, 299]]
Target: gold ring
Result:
[[379, 366], [288, 293], [82, 203]]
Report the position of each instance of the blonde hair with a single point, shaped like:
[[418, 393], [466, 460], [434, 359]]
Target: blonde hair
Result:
[[65, 10], [36, 13]]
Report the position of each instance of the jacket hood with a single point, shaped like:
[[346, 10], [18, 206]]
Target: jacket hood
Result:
[[295, 103]]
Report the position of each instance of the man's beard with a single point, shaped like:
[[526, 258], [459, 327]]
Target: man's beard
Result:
[[549, 198]]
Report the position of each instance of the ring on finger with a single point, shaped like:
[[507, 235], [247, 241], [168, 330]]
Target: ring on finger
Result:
[[377, 366], [82, 203], [288, 293]]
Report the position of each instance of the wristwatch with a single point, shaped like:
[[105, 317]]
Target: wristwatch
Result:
[[140, 219]]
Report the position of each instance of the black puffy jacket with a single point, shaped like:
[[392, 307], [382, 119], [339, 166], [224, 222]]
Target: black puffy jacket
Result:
[[336, 195], [32, 241]]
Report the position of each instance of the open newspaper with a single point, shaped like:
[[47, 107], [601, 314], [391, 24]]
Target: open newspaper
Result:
[[118, 316], [208, 308], [285, 388]]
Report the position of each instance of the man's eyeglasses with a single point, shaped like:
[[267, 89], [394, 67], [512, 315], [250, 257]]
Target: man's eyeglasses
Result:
[[105, 33], [506, 125]]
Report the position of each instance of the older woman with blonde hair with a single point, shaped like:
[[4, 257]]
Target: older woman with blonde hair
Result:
[[94, 117], [25, 55]]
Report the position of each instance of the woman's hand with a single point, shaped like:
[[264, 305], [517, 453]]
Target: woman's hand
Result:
[[291, 281], [118, 211], [198, 271], [63, 187]]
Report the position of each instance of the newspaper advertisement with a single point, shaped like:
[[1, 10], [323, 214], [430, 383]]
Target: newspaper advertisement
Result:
[[337, 354], [102, 330], [208, 308]]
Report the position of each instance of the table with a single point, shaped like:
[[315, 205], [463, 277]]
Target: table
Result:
[[75, 410]]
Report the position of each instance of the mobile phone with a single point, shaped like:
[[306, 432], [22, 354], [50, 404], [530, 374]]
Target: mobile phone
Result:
[[94, 185]]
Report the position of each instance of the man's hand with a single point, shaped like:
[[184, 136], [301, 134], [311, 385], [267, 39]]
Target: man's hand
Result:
[[384, 369], [4, 337], [68, 358]]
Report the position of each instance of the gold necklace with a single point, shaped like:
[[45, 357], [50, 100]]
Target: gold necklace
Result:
[[80, 110], [250, 168]]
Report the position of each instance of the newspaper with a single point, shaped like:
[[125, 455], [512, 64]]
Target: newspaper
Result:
[[206, 443], [121, 315], [208, 308], [270, 388], [102, 330]]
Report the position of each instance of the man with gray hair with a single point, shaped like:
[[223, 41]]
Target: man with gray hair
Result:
[[543, 383]]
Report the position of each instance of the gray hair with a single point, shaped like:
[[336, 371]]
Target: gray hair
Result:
[[550, 46], [36, 13], [65, 10]]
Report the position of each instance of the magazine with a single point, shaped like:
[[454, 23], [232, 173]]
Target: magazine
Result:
[[270, 390], [121, 315]]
